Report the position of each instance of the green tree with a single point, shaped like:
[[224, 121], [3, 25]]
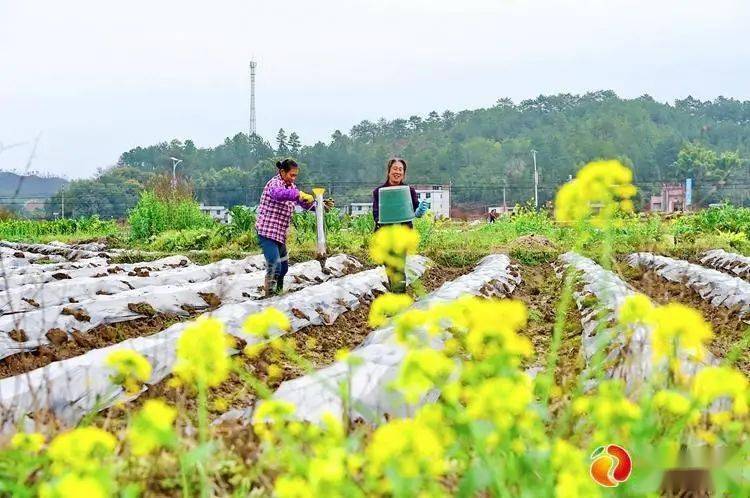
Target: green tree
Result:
[[294, 143], [281, 146]]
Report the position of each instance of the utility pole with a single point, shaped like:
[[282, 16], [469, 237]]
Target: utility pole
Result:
[[505, 206], [62, 197], [536, 181]]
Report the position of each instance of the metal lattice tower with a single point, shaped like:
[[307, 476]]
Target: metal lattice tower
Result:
[[253, 65]]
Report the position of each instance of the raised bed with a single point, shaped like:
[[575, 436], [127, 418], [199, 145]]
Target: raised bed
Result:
[[27, 331], [85, 268], [92, 282], [381, 356], [67, 252], [71, 388], [716, 287], [625, 357], [729, 262]]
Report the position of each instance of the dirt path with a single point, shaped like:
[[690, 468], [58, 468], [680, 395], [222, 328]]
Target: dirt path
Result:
[[540, 289], [729, 328]]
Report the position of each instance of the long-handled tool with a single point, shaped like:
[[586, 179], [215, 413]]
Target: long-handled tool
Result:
[[320, 222]]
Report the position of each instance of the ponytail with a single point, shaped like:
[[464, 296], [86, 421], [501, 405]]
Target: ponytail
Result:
[[286, 165]]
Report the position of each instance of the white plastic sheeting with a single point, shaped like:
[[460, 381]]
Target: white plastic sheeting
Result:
[[176, 299], [83, 269], [24, 258], [716, 287], [628, 358], [729, 262], [89, 283], [370, 396], [41, 268], [71, 388], [69, 253]]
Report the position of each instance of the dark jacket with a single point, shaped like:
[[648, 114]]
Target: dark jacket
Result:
[[376, 203]]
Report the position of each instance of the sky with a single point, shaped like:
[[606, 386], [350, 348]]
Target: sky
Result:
[[83, 81]]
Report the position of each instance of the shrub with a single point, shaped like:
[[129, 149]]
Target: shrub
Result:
[[185, 240], [152, 216]]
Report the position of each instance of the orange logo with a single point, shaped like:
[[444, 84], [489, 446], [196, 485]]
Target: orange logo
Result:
[[611, 465]]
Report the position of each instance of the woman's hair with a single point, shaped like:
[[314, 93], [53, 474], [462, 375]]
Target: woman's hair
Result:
[[286, 165], [391, 162]]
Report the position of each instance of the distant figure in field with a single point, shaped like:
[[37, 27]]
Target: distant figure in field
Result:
[[492, 216], [395, 172]]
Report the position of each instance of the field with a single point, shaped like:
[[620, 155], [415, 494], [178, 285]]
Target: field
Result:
[[520, 348]]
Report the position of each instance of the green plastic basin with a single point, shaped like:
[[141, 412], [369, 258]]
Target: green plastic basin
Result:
[[395, 205]]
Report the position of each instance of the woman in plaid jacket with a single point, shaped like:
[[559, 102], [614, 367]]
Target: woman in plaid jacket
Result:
[[277, 202]]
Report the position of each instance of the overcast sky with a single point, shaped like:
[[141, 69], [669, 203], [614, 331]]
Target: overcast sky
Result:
[[92, 79]]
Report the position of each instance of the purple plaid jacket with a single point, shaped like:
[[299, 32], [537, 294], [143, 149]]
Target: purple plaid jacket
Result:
[[276, 208]]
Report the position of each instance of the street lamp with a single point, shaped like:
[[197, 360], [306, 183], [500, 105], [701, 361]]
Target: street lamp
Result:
[[175, 162], [536, 181]]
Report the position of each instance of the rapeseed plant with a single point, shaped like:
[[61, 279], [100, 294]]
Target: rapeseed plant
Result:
[[131, 369]]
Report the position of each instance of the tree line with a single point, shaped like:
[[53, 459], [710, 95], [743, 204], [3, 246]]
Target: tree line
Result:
[[708, 141]]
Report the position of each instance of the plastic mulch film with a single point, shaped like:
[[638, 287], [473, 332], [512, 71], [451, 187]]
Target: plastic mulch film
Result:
[[180, 299], [97, 267], [69, 253], [729, 262], [370, 397], [71, 388], [716, 287], [40, 268], [89, 283], [625, 356]]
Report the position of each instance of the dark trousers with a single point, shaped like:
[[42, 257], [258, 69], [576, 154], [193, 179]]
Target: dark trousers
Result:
[[277, 261]]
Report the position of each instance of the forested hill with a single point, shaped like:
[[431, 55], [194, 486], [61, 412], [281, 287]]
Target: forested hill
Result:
[[19, 191], [479, 151]]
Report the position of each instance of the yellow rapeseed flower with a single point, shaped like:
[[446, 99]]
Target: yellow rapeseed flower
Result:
[[599, 191], [271, 412], [712, 383], [387, 306], [131, 369], [27, 442], [81, 449], [292, 487], [672, 402], [390, 245], [572, 472], [635, 309], [267, 321], [499, 400], [152, 427], [422, 370], [678, 326], [492, 328], [75, 485], [202, 356], [408, 448]]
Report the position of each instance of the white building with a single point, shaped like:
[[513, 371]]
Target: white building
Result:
[[439, 197], [219, 213], [360, 208]]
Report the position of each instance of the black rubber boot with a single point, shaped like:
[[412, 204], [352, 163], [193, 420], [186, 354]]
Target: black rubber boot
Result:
[[269, 286]]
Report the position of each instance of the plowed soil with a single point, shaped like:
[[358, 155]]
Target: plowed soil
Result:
[[67, 346], [540, 290], [730, 329]]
